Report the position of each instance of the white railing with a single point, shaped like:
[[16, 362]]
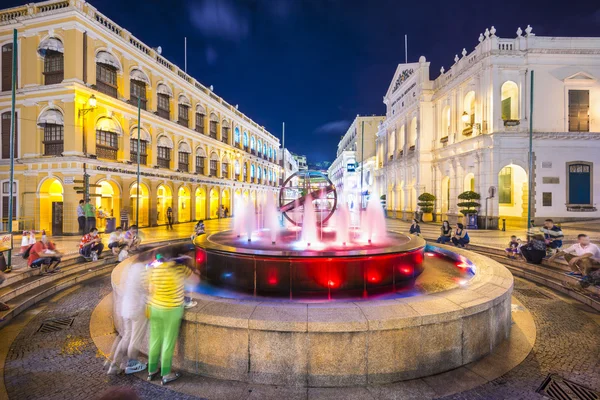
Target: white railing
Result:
[[51, 6], [13, 13]]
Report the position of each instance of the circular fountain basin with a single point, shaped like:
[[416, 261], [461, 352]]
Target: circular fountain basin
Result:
[[345, 342], [325, 269]]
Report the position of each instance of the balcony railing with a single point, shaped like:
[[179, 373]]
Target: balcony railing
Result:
[[213, 172], [161, 112], [109, 153], [163, 163], [106, 88], [51, 78], [53, 148], [183, 122], [143, 158], [200, 169]]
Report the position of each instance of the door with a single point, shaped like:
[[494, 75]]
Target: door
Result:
[[580, 192], [57, 218]]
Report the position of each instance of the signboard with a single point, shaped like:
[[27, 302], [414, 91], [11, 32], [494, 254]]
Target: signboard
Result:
[[69, 180], [351, 167], [5, 242]]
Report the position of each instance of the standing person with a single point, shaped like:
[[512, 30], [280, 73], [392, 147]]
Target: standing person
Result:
[[43, 254], [552, 234], [133, 313], [415, 229], [166, 288], [535, 250], [81, 217], [221, 211], [461, 236], [446, 235], [89, 244], [583, 257], [90, 215], [226, 212], [124, 218], [169, 218]]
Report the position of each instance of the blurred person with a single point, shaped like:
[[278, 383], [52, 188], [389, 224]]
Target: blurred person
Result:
[[166, 281], [124, 218], [512, 251], [132, 309], [583, 257], [169, 218], [446, 235], [415, 229], [81, 217], [461, 236], [91, 244], [535, 250], [131, 237], [116, 242], [44, 255], [553, 235]]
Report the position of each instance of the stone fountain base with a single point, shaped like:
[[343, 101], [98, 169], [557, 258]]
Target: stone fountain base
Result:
[[345, 343]]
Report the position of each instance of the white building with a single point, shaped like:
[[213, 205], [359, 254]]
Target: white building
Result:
[[468, 130], [353, 155], [291, 165], [301, 161]]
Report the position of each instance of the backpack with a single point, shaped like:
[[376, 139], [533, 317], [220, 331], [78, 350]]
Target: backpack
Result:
[[27, 252]]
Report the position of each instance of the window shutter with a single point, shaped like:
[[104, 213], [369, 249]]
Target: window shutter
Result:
[[5, 135], [506, 109], [7, 52]]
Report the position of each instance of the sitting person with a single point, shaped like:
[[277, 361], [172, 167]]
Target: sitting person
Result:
[[132, 239], [116, 242], [199, 228], [415, 229], [583, 257], [446, 233], [535, 250], [91, 243], [512, 251], [43, 255], [461, 236], [553, 235]]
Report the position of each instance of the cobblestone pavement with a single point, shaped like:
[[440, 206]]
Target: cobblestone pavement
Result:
[[65, 364]]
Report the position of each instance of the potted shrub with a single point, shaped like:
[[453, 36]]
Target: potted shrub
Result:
[[469, 207], [426, 203]]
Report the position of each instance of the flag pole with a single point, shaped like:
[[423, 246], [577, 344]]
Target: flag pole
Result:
[[406, 49], [137, 198], [12, 148], [185, 54]]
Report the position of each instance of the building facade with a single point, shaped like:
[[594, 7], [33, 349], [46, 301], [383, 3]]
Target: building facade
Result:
[[301, 161], [355, 157], [288, 164], [80, 78], [468, 129]]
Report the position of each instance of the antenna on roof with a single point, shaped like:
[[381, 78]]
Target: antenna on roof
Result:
[[185, 54]]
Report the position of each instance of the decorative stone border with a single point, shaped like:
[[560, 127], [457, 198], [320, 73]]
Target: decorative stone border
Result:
[[346, 343]]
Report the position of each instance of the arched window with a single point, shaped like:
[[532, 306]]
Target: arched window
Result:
[[245, 172], [200, 115], [253, 145], [163, 101], [225, 168], [214, 120], [5, 135], [52, 122], [270, 152], [145, 139], [468, 115], [138, 81], [163, 152], [107, 138], [7, 55], [264, 173], [225, 131], [259, 147], [391, 143], [245, 140], [236, 136], [252, 168], [214, 159], [510, 101], [107, 67], [237, 169], [52, 50], [412, 134], [184, 106], [184, 157], [200, 160], [446, 118], [265, 151], [258, 174]]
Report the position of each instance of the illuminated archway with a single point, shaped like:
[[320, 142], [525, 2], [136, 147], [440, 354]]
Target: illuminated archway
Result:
[[512, 191], [245, 196], [445, 194], [50, 192], [144, 204], [226, 201], [214, 203], [200, 204], [164, 200], [107, 202], [469, 182], [184, 209], [510, 101]]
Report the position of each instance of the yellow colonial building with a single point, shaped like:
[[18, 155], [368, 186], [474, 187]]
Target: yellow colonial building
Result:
[[80, 77]]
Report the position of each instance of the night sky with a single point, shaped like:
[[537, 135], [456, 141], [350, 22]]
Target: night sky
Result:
[[316, 64]]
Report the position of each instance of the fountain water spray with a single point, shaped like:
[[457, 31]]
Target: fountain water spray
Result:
[[239, 218], [342, 223], [309, 221], [374, 220], [271, 220], [250, 218]]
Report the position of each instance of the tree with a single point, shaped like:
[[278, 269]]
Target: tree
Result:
[[470, 206], [426, 202]]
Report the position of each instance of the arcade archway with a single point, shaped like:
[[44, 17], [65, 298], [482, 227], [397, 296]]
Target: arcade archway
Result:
[[51, 206], [200, 204], [164, 200], [144, 205], [184, 210]]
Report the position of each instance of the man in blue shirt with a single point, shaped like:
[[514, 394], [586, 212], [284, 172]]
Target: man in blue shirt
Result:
[[552, 234]]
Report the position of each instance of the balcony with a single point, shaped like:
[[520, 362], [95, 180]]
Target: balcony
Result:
[[106, 88], [109, 153], [412, 148], [183, 122], [213, 134], [468, 131], [54, 148], [161, 112], [133, 158], [54, 77], [163, 163], [200, 169], [512, 122], [444, 139], [213, 172]]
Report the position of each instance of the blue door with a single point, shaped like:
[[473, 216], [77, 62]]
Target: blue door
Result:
[[580, 185]]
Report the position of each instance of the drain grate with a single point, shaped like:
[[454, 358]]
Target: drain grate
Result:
[[55, 324], [537, 294], [555, 387]]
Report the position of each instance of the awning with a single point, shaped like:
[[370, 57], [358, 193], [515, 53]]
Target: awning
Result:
[[214, 118], [138, 75], [144, 135], [200, 152], [200, 109], [104, 57], [214, 157], [165, 141], [164, 89], [225, 124], [108, 125], [184, 100], [226, 160], [50, 116], [52, 44], [184, 148]]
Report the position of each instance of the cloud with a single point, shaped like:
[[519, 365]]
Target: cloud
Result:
[[211, 56], [219, 18], [334, 127]]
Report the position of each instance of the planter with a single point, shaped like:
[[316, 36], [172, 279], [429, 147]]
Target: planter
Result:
[[427, 217], [471, 221]]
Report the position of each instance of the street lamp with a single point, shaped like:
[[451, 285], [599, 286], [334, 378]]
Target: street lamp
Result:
[[465, 117], [91, 105]]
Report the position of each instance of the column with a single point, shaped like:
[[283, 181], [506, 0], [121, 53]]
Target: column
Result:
[[152, 187]]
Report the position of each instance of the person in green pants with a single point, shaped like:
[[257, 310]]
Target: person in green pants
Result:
[[166, 287]]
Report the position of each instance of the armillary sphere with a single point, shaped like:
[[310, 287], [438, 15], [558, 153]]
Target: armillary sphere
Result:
[[297, 188]]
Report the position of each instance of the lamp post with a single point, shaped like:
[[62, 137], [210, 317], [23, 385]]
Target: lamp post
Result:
[[466, 118], [92, 103]]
